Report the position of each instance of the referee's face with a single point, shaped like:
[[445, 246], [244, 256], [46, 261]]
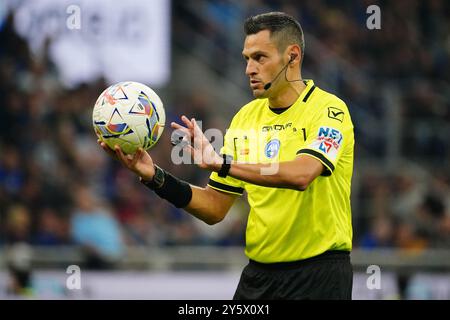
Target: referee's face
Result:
[[264, 62]]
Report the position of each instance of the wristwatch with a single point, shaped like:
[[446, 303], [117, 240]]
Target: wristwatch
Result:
[[157, 180], [226, 165]]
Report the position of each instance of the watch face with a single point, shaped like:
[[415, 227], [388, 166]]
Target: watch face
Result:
[[228, 159], [159, 177]]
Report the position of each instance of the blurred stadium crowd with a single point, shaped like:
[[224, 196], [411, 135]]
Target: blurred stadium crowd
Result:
[[58, 188]]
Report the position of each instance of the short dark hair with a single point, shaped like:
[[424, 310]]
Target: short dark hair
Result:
[[282, 26]]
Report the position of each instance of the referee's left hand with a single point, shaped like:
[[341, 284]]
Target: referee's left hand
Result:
[[200, 149]]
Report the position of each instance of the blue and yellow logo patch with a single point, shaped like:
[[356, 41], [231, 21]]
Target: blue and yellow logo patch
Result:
[[272, 148]]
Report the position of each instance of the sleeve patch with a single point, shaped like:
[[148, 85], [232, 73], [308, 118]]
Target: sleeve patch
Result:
[[328, 141], [336, 114]]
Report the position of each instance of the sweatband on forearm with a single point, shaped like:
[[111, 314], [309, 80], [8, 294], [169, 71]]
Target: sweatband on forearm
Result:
[[174, 190]]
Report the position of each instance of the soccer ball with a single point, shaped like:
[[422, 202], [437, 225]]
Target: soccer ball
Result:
[[129, 114]]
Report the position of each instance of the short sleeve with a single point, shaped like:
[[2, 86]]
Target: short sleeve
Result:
[[329, 130]]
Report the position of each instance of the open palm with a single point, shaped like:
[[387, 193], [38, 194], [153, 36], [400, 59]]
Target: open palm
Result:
[[140, 163]]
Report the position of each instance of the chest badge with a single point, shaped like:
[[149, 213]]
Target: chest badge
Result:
[[272, 148]]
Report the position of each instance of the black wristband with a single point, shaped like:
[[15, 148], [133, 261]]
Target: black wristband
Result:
[[226, 165], [174, 190]]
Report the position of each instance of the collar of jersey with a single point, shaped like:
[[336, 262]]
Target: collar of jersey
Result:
[[309, 83]]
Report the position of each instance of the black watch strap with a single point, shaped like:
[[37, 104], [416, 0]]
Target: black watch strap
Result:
[[223, 172], [158, 179]]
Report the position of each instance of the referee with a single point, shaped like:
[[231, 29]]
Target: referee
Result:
[[291, 150]]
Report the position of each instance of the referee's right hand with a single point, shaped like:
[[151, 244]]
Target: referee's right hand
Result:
[[140, 163]]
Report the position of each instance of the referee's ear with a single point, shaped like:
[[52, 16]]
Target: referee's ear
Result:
[[294, 55]]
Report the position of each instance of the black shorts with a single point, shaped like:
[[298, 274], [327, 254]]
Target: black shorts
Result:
[[327, 276]]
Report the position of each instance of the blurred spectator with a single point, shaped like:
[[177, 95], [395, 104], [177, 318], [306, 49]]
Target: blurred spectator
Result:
[[407, 238], [18, 250], [18, 224], [52, 229], [18, 260], [380, 235], [409, 192], [142, 229], [11, 172], [96, 231]]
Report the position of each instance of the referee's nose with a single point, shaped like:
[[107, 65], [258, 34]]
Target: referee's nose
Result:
[[251, 68]]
